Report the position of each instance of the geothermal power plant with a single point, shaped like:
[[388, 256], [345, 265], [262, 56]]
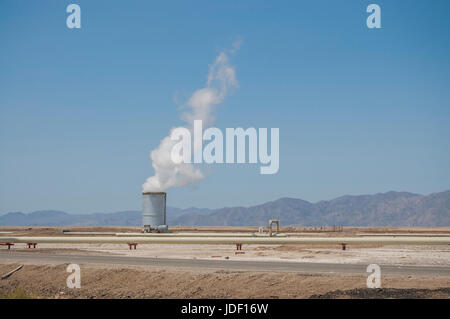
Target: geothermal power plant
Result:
[[326, 252], [154, 230]]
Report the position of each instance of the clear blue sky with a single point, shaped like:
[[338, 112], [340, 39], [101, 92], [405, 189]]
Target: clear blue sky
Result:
[[359, 110]]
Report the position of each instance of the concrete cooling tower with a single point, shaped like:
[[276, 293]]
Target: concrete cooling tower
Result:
[[154, 211]]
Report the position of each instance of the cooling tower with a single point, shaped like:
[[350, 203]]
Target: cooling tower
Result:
[[153, 210]]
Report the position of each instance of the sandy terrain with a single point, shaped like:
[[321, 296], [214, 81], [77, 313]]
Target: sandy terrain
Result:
[[392, 255], [294, 230], [150, 282], [107, 281]]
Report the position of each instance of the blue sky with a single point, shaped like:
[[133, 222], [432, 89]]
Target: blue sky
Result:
[[359, 110]]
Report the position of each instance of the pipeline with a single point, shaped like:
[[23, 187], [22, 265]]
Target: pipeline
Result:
[[197, 235], [232, 240]]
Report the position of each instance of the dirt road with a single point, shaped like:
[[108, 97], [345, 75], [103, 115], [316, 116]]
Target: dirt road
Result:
[[266, 266]]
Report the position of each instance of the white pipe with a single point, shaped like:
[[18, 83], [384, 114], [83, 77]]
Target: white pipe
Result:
[[177, 234], [88, 233], [11, 272], [196, 235], [403, 235], [174, 234], [232, 240]]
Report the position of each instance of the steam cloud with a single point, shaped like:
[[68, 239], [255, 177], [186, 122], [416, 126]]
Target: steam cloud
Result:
[[221, 79]]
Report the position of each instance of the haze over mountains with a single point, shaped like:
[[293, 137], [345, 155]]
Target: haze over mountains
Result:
[[383, 209]]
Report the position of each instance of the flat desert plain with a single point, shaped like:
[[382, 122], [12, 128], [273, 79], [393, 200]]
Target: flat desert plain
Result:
[[221, 271]]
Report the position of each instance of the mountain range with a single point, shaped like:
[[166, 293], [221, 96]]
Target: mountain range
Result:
[[383, 209]]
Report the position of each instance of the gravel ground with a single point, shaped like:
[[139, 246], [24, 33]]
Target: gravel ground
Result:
[[103, 281], [392, 255], [100, 281]]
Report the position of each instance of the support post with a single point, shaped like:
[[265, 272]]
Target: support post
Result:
[[276, 222], [7, 244]]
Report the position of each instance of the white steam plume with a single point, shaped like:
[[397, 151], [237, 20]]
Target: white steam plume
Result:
[[168, 174]]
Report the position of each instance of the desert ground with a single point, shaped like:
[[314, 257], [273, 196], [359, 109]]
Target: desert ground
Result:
[[221, 271]]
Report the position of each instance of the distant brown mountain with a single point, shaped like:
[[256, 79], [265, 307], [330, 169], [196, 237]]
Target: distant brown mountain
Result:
[[59, 218], [384, 209]]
